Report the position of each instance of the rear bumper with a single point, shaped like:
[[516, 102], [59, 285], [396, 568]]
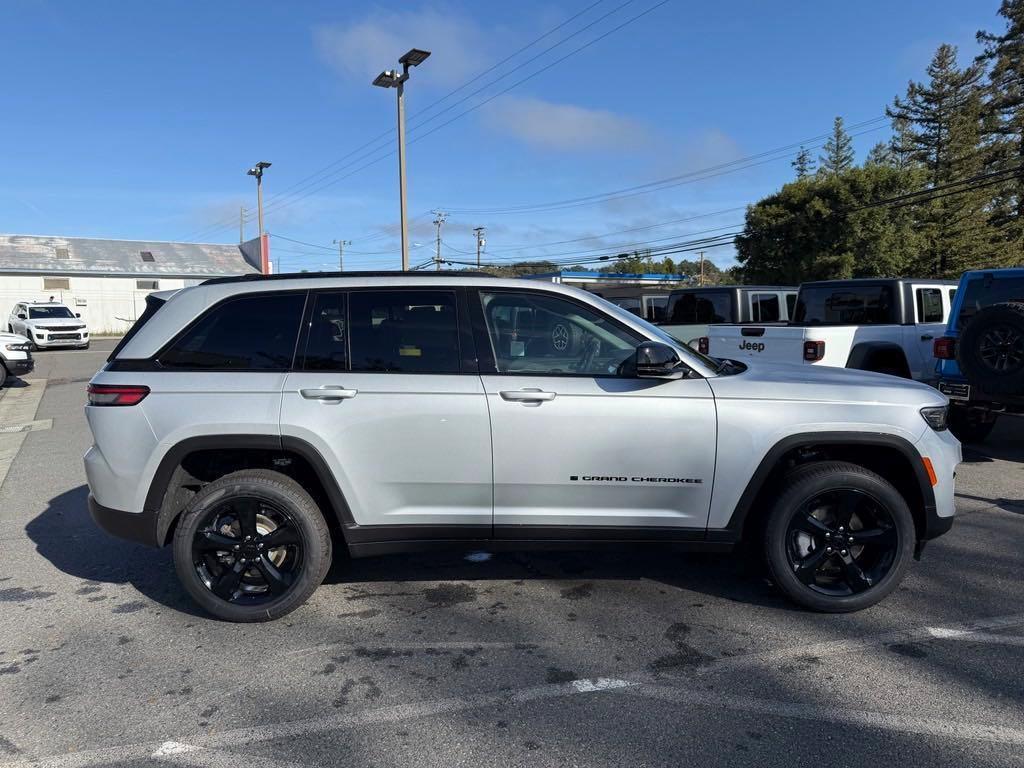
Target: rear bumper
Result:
[[139, 527]]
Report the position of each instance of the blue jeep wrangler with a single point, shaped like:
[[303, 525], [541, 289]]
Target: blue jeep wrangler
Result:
[[981, 358]]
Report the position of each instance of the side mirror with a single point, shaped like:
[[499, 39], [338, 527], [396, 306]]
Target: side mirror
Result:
[[655, 360], [78, 314], [22, 316]]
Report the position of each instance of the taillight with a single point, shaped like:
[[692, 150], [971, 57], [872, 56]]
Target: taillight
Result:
[[814, 351], [703, 345], [944, 348], [116, 394]]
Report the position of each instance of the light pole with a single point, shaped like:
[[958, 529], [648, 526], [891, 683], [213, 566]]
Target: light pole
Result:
[[341, 253], [390, 78], [480, 243], [257, 171]]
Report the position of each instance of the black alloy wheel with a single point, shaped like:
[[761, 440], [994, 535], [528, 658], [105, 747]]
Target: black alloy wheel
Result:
[[247, 550], [1001, 349], [841, 542]]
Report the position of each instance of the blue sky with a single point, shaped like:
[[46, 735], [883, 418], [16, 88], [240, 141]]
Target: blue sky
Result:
[[138, 120]]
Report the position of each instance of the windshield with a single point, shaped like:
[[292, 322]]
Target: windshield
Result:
[[845, 305], [37, 313], [654, 331]]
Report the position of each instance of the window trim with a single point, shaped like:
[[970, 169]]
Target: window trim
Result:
[[919, 304], [154, 360], [488, 366]]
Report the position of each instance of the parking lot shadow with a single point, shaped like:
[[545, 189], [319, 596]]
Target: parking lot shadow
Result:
[[68, 538]]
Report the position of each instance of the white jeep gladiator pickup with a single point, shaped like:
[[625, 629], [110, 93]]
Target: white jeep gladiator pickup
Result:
[[873, 324]]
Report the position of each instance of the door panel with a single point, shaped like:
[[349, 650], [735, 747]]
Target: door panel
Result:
[[601, 451]]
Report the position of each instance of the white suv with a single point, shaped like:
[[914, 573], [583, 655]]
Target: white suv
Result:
[[259, 422], [48, 324]]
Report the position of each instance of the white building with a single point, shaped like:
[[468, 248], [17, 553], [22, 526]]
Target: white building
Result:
[[107, 281]]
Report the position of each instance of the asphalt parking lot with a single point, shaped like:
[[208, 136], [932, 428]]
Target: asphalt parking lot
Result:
[[554, 659]]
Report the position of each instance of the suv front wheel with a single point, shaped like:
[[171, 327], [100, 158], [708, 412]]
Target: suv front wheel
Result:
[[252, 546], [839, 537]]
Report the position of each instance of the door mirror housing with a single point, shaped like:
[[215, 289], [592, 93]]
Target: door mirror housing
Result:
[[22, 316], [78, 314], [655, 360]]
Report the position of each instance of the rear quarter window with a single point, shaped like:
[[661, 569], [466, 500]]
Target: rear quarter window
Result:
[[845, 305], [986, 290]]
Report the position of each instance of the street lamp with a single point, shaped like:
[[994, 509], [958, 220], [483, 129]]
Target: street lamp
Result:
[[392, 79], [257, 171]]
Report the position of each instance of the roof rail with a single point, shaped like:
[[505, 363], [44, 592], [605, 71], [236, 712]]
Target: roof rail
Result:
[[318, 275]]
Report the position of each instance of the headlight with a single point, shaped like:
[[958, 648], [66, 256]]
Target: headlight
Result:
[[937, 417], [16, 347]]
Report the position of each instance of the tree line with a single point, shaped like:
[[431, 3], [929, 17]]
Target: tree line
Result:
[[943, 195]]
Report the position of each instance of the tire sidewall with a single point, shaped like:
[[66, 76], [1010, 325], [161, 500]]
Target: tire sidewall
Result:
[[969, 359], [801, 487], [305, 516]]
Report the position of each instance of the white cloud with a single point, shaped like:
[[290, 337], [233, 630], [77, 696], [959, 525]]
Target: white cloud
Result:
[[564, 126], [361, 49]]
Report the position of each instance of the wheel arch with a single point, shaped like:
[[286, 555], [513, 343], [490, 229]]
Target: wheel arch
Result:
[[888, 455], [867, 352], [194, 461]]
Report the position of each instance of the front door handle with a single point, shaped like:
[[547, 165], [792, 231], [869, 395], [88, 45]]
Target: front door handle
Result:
[[527, 395], [926, 337], [328, 392]]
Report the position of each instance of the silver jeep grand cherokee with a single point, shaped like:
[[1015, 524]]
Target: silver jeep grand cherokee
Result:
[[257, 423]]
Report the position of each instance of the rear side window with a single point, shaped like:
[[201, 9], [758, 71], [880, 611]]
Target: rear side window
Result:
[[327, 344], [929, 305], [765, 308], [986, 290], [404, 331], [250, 333], [152, 305], [790, 304], [854, 305], [700, 308]]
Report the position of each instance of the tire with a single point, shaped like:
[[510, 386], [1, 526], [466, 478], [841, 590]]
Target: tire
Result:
[[214, 522], [991, 349], [827, 503], [3, 375], [970, 425]]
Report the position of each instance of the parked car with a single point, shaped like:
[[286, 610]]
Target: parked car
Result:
[[256, 423], [48, 324], [15, 356], [980, 365], [881, 325], [691, 310]]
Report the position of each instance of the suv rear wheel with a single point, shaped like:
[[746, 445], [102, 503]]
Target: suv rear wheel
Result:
[[839, 538], [252, 546]]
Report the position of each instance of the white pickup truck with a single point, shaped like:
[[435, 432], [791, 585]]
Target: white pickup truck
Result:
[[871, 324]]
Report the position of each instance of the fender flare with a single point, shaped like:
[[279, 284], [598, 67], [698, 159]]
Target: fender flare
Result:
[[862, 353], [932, 524]]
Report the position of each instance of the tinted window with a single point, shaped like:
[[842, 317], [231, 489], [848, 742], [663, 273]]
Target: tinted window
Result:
[[698, 308], [656, 306], [764, 307], [631, 303], [856, 305], [404, 331], [251, 333], [36, 313], [531, 333], [929, 305], [790, 304], [327, 343], [986, 290]]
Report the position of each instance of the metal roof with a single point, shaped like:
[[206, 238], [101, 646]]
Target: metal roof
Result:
[[131, 258]]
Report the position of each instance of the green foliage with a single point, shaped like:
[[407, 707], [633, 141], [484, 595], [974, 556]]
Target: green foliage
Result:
[[838, 157], [803, 163]]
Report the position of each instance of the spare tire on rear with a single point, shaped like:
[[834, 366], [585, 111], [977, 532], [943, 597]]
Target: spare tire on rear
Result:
[[991, 349]]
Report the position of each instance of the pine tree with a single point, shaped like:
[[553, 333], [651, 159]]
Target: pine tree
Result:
[[1003, 126], [803, 163], [838, 155], [943, 134], [900, 144], [881, 154]]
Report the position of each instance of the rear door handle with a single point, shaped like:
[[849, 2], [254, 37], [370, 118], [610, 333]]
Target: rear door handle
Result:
[[328, 392], [527, 395]]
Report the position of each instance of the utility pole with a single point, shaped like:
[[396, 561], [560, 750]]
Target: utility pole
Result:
[[257, 171], [341, 253], [702, 269], [241, 224], [480, 243], [392, 79], [439, 221]]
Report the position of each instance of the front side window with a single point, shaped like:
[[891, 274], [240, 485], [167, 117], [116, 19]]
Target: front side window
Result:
[[929, 305], [537, 334], [49, 313], [250, 333], [764, 307], [859, 305], [404, 331]]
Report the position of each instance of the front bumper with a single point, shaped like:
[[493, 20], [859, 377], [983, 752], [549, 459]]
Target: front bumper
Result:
[[139, 527], [20, 367], [942, 449], [55, 339]]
